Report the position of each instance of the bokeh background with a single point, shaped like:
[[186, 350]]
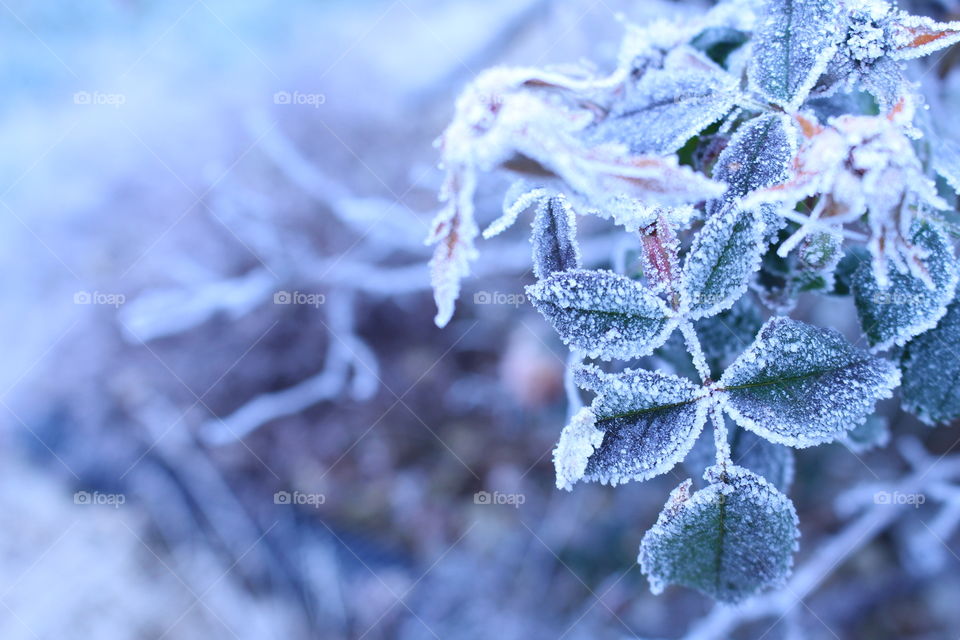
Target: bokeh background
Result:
[[225, 409]]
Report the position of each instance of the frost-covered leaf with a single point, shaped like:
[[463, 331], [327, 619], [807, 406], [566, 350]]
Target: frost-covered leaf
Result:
[[578, 441], [873, 433], [660, 256], [915, 36], [555, 238], [862, 60], [519, 197], [847, 268], [795, 40], [758, 156], [883, 79], [532, 122], [650, 421], [729, 541], [651, 179], [801, 386], [603, 314], [724, 256], [946, 162], [454, 232], [931, 371], [817, 260], [912, 302], [665, 108]]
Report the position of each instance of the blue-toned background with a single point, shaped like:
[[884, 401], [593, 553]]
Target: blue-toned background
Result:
[[225, 409]]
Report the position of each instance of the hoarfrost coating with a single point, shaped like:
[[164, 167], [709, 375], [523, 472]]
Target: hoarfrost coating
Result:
[[759, 153]]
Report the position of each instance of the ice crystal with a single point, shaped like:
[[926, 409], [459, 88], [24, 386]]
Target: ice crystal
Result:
[[801, 386], [634, 215], [730, 540]]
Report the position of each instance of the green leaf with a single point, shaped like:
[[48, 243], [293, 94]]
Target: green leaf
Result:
[[724, 256], [931, 371], [794, 41], [650, 421], [801, 386], [908, 306], [603, 314], [729, 541]]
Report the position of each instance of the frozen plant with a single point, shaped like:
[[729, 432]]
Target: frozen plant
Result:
[[768, 149]]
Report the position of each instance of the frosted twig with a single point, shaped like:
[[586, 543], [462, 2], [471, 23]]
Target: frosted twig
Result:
[[720, 438], [696, 351], [163, 312], [344, 353]]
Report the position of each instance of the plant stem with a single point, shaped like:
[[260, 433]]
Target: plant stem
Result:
[[695, 350]]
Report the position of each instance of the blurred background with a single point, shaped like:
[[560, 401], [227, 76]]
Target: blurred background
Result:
[[225, 409]]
